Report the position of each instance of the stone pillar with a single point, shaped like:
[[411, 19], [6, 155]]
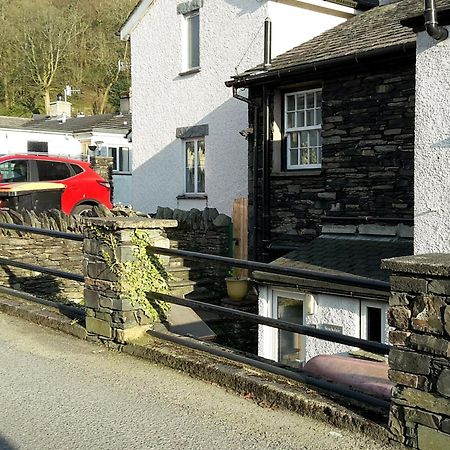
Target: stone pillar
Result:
[[419, 364], [103, 165], [110, 315]]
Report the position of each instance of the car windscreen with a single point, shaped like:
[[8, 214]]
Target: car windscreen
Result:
[[13, 171]]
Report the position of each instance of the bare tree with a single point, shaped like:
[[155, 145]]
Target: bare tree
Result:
[[47, 37]]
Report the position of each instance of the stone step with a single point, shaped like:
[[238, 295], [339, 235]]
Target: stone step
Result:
[[175, 261], [179, 273]]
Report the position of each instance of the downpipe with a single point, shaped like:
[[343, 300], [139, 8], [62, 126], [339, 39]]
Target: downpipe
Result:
[[432, 27]]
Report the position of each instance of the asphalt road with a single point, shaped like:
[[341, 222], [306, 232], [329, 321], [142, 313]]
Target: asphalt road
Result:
[[57, 392]]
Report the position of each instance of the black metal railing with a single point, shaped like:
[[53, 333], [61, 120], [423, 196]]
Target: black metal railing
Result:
[[36, 268], [371, 346], [351, 280]]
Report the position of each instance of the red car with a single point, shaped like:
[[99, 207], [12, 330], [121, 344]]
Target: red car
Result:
[[85, 188]]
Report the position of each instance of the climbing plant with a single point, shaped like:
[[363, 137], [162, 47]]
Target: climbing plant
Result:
[[142, 274]]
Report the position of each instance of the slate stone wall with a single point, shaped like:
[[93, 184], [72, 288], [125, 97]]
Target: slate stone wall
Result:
[[204, 231], [50, 252], [367, 163], [419, 313]]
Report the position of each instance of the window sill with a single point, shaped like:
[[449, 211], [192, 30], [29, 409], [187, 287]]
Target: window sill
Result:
[[297, 173], [189, 71], [192, 197], [121, 173]]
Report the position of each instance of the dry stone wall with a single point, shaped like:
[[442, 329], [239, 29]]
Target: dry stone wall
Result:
[[55, 253], [419, 313]]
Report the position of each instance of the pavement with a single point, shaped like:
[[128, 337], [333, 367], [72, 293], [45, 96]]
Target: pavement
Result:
[[59, 392]]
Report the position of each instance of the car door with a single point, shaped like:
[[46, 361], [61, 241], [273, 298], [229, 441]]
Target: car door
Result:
[[56, 171]]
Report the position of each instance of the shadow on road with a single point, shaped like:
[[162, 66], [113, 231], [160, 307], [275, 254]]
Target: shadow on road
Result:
[[5, 445]]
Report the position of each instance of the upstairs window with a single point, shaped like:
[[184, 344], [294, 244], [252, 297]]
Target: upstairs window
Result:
[[303, 124], [195, 166], [191, 40]]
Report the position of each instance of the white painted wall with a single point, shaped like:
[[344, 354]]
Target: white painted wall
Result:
[[15, 141], [432, 146], [231, 35], [293, 25], [331, 310]]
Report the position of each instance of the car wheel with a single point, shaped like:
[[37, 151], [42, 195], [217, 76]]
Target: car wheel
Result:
[[82, 210]]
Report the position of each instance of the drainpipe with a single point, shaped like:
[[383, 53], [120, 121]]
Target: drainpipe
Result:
[[265, 241], [254, 108], [431, 25], [267, 43]]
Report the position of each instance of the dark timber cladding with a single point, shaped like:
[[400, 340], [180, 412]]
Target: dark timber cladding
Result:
[[365, 68]]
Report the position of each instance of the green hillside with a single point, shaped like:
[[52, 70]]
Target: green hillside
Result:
[[48, 44]]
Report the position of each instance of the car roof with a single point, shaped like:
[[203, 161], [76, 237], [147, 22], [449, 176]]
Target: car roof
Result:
[[46, 158]]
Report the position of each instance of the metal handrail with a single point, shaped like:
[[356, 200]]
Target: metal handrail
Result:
[[42, 231], [46, 270], [371, 346], [351, 280]]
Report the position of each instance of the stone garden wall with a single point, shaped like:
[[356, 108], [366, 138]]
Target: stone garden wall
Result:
[[420, 361], [204, 231], [61, 254]]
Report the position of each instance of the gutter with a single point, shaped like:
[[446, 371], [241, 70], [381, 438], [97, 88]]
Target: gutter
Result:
[[315, 66]]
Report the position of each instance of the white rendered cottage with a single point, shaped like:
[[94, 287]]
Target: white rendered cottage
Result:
[[186, 143]]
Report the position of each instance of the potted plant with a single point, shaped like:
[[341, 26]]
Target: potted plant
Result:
[[237, 284]]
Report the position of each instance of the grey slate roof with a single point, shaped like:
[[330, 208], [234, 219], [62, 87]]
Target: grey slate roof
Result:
[[77, 124], [360, 257], [12, 122], [378, 28]]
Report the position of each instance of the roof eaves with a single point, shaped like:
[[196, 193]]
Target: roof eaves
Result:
[[134, 18], [417, 23], [263, 77]]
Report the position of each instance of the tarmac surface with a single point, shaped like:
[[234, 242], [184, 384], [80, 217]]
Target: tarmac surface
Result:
[[58, 392]]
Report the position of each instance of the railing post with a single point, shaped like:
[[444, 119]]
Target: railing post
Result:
[[110, 314], [419, 363]]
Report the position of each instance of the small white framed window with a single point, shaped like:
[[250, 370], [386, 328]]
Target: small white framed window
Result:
[[191, 41], [121, 159], [303, 124], [374, 321], [194, 157]]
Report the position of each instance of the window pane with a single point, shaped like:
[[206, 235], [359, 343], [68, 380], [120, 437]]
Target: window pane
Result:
[[290, 103], [201, 166], [293, 140], [318, 116], [318, 99], [124, 159], [314, 138], [304, 158], [304, 139], [13, 171], [52, 170], [310, 118], [313, 155], [310, 100], [301, 119], [374, 324], [190, 180], [291, 120], [190, 166], [290, 345], [293, 157], [300, 101], [193, 41]]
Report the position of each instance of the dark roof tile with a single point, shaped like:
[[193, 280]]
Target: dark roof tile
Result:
[[378, 28]]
